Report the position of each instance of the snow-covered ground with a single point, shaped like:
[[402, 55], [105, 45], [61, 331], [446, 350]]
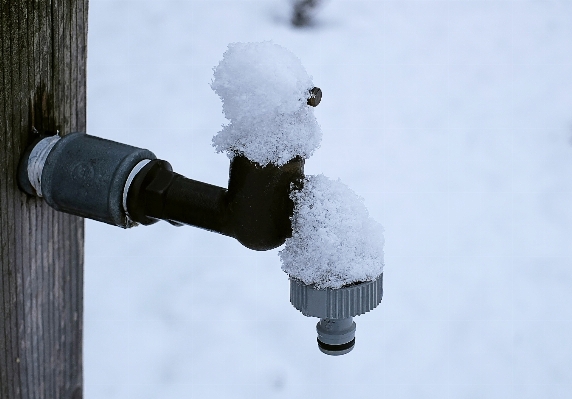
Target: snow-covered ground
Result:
[[453, 119]]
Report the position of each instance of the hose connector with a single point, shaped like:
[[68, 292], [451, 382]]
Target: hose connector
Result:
[[336, 309]]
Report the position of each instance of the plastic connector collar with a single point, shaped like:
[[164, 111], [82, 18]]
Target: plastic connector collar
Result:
[[336, 309]]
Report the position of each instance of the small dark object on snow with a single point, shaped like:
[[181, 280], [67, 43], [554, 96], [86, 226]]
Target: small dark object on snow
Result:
[[303, 11], [315, 97]]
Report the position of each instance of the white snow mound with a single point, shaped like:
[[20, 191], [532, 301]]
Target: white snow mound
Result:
[[264, 89], [334, 240]]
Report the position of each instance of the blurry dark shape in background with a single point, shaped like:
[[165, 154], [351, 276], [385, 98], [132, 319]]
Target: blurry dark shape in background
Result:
[[303, 12]]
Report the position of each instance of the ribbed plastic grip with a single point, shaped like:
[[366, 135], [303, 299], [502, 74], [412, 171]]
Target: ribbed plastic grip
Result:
[[336, 303]]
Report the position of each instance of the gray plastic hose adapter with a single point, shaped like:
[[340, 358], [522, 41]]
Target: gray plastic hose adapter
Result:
[[336, 309]]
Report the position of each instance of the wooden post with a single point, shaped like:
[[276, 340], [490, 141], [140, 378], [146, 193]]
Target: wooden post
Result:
[[42, 85]]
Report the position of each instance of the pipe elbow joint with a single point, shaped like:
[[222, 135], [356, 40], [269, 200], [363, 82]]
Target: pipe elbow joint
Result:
[[259, 206]]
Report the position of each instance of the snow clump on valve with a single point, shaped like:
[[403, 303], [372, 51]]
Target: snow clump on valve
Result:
[[264, 89], [334, 241]]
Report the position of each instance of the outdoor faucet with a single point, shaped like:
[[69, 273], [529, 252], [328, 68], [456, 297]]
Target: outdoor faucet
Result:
[[125, 186]]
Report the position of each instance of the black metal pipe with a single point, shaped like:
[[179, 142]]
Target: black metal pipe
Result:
[[255, 209], [158, 193]]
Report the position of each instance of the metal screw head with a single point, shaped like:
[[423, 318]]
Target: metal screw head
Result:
[[315, 96]]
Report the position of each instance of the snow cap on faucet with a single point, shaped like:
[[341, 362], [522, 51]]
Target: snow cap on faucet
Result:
[[335, 242], [265, 89]]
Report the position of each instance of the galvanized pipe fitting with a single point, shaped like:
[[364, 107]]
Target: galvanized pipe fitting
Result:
[[82, 175]]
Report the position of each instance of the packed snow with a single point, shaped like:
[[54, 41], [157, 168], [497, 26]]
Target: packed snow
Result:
[[334, 240], [264, 89]]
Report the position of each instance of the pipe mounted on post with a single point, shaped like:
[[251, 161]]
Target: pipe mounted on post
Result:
[[125, 186]]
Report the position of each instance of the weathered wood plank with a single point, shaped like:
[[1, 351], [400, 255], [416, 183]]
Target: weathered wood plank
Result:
[[42, 84]]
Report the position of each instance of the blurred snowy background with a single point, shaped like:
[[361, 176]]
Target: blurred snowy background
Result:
[[453, 119]]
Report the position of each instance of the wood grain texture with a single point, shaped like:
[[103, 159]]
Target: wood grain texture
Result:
[[43, 45]]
